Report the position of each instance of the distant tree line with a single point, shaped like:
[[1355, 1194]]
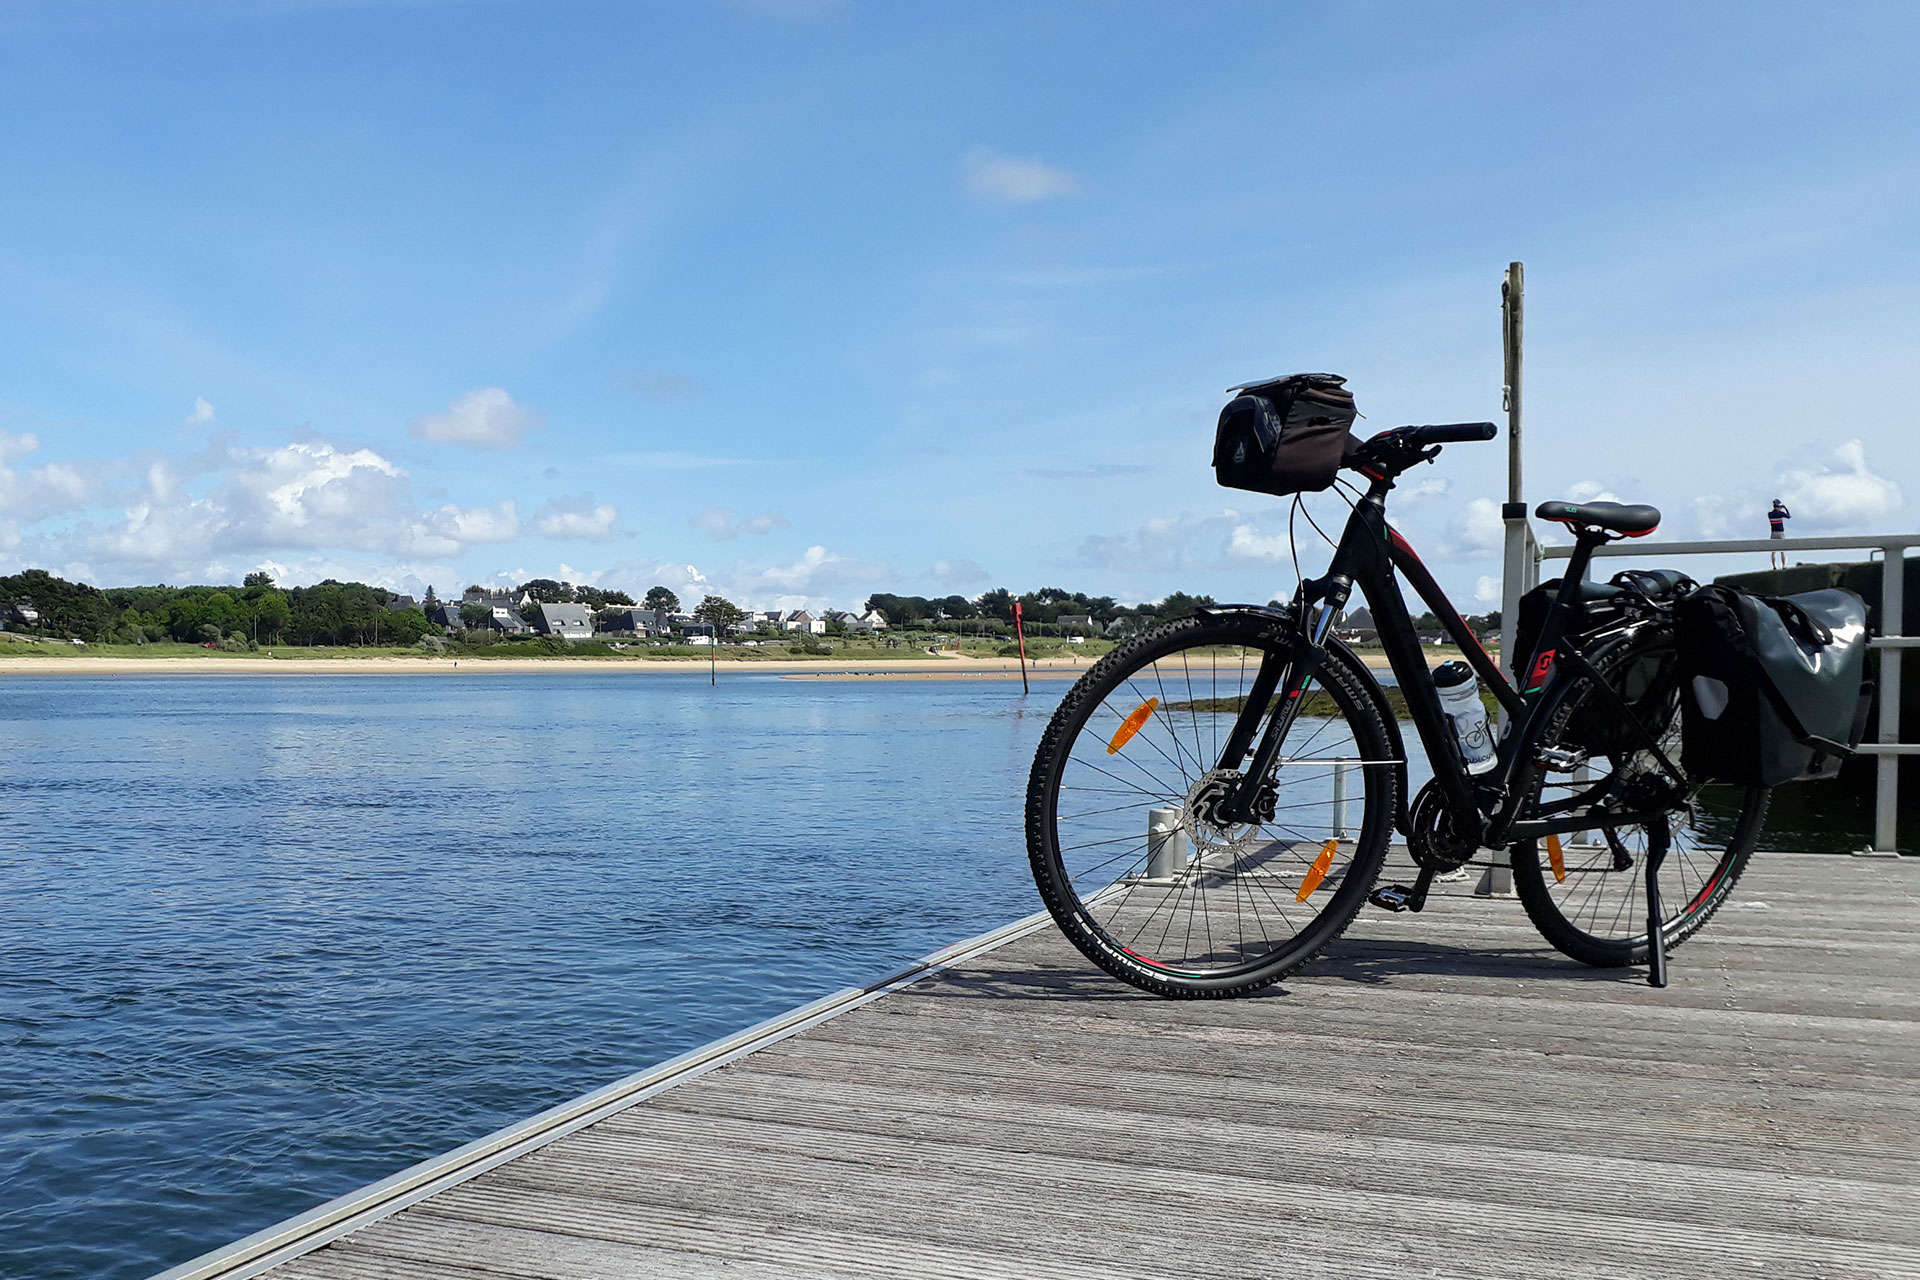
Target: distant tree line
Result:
[[548, 591], [353, 613], [1040, 609]]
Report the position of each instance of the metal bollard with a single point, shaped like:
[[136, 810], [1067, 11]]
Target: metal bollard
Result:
[[1340, 799], [1582, 773], [1167, 847]]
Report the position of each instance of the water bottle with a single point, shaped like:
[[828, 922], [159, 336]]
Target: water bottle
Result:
[[1460, 699]]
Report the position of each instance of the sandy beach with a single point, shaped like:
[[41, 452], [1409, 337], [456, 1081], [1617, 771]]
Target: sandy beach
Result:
[[219, 665], [953, 667]]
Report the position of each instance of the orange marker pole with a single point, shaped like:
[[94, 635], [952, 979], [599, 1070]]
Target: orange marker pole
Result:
[[1020, 634]]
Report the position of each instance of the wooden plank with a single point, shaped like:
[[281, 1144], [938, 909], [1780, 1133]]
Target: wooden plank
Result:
[[426, 1239], [1735, 1132], [1860, 1047], [1034, 1147], [1442, 1096]]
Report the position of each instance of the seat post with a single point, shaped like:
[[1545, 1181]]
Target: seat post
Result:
[[1566, 600], [1585, 539]]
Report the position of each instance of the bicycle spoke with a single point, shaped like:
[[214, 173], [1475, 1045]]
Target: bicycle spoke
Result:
[[1205, 895]]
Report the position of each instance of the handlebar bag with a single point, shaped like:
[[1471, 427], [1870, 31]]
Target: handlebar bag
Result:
[[1284, 436], [1773, 687]]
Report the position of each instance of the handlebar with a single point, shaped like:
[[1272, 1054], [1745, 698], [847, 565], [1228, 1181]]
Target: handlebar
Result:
[[1448, 433]]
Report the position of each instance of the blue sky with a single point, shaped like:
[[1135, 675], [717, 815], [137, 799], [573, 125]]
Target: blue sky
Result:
[[797, 300]]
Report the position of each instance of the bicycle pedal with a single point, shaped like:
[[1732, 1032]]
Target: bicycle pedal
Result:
[[1560, 759], [1393, 897]]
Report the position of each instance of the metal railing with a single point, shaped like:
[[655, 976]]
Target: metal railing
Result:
[[1523, 576]]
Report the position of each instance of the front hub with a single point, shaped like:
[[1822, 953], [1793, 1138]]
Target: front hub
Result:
[[1211, 817]]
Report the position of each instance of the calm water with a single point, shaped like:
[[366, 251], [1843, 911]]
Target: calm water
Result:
[[267, 940]]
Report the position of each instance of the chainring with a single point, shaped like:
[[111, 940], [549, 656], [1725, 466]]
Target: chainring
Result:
[[1433, 843]]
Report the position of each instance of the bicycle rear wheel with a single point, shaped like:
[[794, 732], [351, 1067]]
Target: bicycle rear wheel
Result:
[[1586, 892], [1123, 830]]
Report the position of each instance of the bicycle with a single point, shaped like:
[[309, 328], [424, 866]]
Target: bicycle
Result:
[[1269, 807]]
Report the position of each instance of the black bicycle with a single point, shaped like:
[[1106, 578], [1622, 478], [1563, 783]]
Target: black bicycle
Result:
[[1213, 802]]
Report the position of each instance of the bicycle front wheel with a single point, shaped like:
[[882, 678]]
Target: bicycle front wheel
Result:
[[1586, 892], [1123, 827]]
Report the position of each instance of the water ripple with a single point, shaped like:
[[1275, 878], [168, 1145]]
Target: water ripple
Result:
[[270, 940]]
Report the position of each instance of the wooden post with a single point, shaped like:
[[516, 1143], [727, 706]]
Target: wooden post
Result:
[[1514, 573], [1020, 634], [1499, 877], [1512, 294]]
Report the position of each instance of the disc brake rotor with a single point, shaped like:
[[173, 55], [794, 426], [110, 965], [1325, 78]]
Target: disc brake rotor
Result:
[[1210, 832]]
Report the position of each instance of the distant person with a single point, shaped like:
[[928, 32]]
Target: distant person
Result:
[[1777, 517]]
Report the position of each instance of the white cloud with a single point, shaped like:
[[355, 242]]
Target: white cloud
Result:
[[1431, 486], [578, 517], [235, 506], [409, 577], [1590, 491], [1013, 179], [40, 491], [1486, 590], [1715, 515], [722, 524], [498, 523], [818, 579], [1164, 544], [486, 418], [637, 576], [16, 446], [202, 413], [957, 573], [803, 571], [1478, 530], [1250, 544], [1839, 492]]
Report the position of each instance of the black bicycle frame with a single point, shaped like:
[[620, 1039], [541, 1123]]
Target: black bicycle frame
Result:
[[1369, 554]]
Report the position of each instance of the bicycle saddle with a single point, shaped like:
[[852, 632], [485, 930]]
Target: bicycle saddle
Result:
[[1631, 519]]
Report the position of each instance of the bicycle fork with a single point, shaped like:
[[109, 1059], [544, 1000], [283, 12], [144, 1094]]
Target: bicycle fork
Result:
[[1287, 677]]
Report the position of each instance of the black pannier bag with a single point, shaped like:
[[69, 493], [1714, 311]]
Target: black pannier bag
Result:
[[1284, 436], [1773, 687], [1647, 686], [1600, 604]]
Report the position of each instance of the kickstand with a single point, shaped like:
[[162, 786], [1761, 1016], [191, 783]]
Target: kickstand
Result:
[[1656, 943]]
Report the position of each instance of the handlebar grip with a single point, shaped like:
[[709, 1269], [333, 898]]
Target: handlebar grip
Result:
[[1452, 432]]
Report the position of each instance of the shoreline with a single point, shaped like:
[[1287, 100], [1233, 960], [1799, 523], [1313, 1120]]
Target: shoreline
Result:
[[392, 666], [829, 669]]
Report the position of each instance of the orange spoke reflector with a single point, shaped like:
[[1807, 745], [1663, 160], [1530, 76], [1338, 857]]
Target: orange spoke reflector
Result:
[[1554, 860], [1317, 872], [1131, 725]]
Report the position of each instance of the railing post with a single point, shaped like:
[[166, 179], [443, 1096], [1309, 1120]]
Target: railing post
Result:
[[1340, 801], [1892, 547], [1886, 790], [1167, 852]]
